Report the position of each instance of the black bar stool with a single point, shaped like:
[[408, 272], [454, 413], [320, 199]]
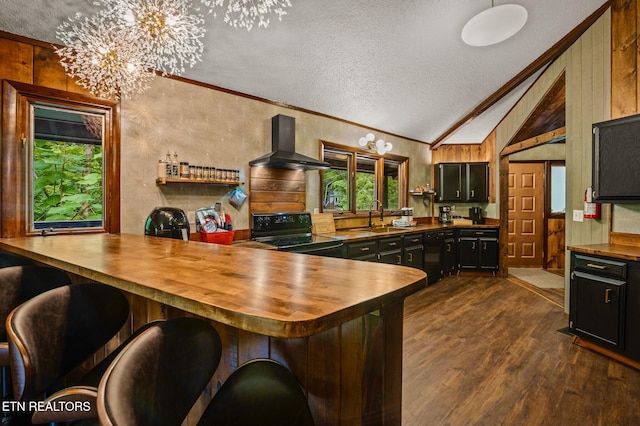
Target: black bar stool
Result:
[[261, 392], [157, 378], [51, 334]]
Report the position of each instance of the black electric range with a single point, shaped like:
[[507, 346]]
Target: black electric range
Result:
[[291, 232]]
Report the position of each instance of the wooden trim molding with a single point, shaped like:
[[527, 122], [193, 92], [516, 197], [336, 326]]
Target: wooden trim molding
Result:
[[535, 141]]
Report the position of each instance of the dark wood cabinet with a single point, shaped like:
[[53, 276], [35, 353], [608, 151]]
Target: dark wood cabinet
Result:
[[462, 182], [390, 250], [477, 180], [478, 249], [597, 308], [448, 181], [362, 250], [413, 251], [449, 252]]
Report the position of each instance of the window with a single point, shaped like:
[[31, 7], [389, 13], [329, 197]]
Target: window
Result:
[[359, 180], [66, 177], [557, 189], [63, 149]]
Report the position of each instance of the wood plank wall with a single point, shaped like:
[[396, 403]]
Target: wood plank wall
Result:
[[28, 61], [276, 190], [484, 152]]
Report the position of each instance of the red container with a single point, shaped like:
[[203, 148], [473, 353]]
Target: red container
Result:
[[219, 237]]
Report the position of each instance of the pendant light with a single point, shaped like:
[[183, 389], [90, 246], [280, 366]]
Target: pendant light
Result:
[[494, 25]]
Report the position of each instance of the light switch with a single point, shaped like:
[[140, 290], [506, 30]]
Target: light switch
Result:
[[578, 216]]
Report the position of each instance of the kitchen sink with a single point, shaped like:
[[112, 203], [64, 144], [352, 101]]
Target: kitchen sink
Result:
[[386, 229]]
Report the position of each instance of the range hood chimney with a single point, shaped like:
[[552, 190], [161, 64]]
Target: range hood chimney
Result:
[[283, 147]]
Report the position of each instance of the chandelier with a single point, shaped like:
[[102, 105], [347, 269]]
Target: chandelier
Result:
[[380, 146], [103, 60], [247, 13], [116, 52], [168, 32]]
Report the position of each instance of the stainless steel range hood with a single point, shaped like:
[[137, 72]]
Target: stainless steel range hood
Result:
[[283, 147]]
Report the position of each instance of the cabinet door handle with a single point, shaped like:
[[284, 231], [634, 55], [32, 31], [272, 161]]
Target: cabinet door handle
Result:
[[473, 193], [607, 296], [473, 245], [410, 257], [592, 265], [399, 260], [393, 244], [458, 194], [484, 246], [364, 249], [449, 248]]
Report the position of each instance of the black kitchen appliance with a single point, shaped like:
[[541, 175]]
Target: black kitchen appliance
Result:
[[291, 232], [283, 153], [167, 222], [475, 214], [445, 215]]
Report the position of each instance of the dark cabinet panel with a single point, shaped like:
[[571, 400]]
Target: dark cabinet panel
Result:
[[489, 254], [449, 253], [462, 182], [477, 182], [414, 256], [359, 249], [599, 308], [478, 249], [449, 181], [433, 256], [393, 257]]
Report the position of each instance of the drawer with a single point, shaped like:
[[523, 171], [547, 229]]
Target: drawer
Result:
[[600, 266], [361, 249], [391, 243], [479, 233], [413, 240]]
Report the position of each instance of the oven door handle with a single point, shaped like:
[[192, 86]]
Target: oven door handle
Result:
[[312, 250]]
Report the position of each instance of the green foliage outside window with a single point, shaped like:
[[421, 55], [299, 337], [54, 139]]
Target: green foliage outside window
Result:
[[67, 181]]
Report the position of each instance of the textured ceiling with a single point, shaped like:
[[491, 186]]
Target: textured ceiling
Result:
[[399, 67]]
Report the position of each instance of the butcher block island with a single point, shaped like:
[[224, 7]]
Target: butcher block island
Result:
[[336, 323]]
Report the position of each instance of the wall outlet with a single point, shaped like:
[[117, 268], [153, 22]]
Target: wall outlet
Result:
[[453, 208], [578, 216]]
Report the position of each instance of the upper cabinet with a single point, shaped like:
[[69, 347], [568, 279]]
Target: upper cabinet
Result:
[[462, 182]]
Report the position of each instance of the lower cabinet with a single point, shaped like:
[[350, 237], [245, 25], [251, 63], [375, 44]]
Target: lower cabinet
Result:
[[604, 302], [478, 249], [449, 252], [413, 251], [436, 252]]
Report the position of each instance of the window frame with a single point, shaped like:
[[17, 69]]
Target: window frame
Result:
[[18, 99], [549, 166], [403, 177]]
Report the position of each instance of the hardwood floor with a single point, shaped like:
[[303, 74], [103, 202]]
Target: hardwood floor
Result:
[[487, 351]]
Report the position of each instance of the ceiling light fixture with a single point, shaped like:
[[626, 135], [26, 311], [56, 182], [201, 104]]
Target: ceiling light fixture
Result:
[[103, 60], [380, 146], [494, 25], [247, 13], [169, 33]]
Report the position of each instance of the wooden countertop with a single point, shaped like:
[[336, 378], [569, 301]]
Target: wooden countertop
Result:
[[264, 291], [618, 251]]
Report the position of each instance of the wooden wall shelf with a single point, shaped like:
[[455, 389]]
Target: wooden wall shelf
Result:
[[201, 181]]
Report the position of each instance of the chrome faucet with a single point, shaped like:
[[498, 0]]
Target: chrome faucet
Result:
[[381, 212]]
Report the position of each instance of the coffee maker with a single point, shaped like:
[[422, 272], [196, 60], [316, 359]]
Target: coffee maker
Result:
[[445, 214], [475, 214]]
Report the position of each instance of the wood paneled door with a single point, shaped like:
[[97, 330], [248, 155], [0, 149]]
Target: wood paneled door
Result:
[[526, 214]]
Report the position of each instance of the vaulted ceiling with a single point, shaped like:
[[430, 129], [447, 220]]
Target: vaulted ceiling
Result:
[[398, 67]]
